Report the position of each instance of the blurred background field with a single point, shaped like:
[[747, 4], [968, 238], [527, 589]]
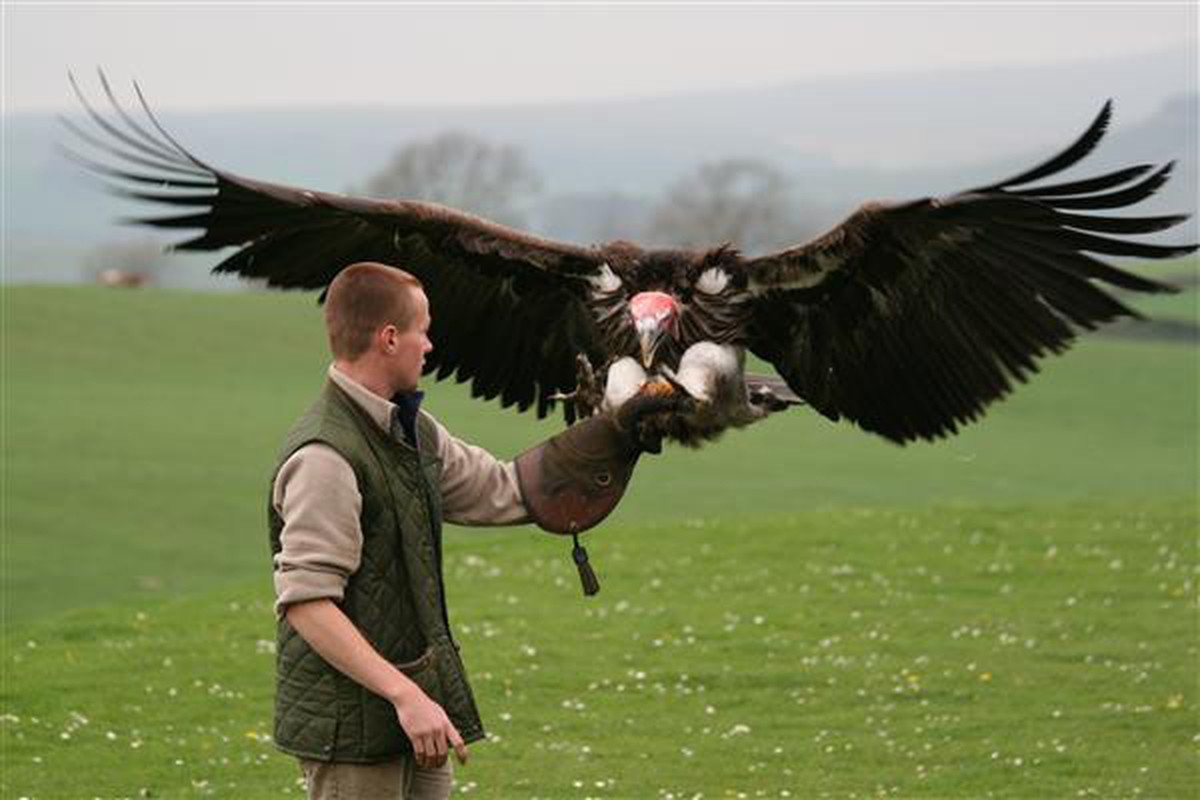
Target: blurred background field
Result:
[[799, 610]]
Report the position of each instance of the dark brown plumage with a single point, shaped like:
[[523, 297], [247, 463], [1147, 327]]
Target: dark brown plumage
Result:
[[907, 319]]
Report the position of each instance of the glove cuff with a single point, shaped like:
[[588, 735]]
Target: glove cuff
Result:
[[574, 479]]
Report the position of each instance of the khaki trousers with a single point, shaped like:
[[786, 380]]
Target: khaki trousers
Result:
[[401, 779]]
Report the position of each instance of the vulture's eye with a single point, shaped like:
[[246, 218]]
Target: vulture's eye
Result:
[[712, 281]]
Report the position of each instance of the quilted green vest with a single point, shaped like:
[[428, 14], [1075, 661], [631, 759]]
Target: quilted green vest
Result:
[[396, 598]]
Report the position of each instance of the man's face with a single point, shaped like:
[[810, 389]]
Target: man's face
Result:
[[408, 348]]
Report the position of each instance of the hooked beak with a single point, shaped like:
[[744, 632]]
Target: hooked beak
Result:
[[653, 319], [650, 335]]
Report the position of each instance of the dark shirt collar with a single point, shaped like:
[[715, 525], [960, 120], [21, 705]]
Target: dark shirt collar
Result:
[[405, 414]]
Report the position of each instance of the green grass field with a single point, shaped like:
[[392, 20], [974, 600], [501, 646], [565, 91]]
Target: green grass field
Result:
[[799, 610]]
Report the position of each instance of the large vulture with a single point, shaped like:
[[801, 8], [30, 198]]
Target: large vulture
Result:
[[907, 319]]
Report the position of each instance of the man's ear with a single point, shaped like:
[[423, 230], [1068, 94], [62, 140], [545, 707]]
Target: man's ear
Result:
[[386, 337]]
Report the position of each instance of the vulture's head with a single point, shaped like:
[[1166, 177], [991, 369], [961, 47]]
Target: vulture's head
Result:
[[655, 317]]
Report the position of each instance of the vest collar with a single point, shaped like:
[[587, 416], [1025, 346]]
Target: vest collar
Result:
[[380, 410], [377, 408]]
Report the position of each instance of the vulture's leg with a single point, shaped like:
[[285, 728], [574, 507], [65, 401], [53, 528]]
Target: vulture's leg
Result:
[[713, 376], [588, 395]]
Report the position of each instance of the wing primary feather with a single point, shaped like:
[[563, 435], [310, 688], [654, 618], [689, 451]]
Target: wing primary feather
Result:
[[133, 125], [1120, 224], [185, 221], [113, 130], [112, 172], [1118, 247], [133, 158], [158, 126], [1080, 148], [1062, 281], [1099, 183], [1117, 199], [166, 199]]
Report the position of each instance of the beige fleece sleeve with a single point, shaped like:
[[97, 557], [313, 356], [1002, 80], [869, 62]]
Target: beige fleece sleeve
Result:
[[477, 488], [317, 496]]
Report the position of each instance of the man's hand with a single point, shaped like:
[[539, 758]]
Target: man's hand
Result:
[[334, 637], [428, 728]]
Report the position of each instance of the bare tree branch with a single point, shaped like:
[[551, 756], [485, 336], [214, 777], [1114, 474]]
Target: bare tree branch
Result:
[[462, 171]]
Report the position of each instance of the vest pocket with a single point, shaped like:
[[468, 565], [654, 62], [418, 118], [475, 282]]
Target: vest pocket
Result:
[[424, 673]]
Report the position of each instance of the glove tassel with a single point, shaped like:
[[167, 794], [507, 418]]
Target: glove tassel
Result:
[[587, 577]]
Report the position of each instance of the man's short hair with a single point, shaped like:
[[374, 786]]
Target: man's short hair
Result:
[[363, 298]]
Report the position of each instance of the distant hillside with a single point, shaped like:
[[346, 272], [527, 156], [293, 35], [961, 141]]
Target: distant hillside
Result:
[[841, 140]]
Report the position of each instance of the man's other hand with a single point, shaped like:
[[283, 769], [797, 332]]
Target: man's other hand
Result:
[[429, 729]]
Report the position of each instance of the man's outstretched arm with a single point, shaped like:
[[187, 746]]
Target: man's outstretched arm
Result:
[[331, 633]]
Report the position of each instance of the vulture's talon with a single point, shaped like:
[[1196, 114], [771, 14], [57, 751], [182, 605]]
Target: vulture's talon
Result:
[[766, 399], [659, 388], [588, 394]]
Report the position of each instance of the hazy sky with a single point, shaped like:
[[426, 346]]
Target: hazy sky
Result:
[[208, 55]]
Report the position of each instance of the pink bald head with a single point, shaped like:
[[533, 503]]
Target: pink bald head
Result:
[[654, 319], [652, 305]]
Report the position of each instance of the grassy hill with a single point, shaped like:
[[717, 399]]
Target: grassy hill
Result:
[[1007, 613]]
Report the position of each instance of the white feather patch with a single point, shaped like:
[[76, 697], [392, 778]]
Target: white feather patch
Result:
[[606, 282], [704, 365], [625, 377], [712, 281]]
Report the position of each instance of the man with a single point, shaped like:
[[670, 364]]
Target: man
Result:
[[371, 694]]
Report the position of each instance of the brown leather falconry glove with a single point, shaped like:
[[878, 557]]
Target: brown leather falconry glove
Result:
[[573, 480]]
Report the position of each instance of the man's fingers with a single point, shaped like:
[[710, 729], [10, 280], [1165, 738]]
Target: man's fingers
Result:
[[460, 747], [420, 752]]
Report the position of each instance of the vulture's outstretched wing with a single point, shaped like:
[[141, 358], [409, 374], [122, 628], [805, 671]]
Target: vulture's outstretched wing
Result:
[[909, 319], [509, 306]]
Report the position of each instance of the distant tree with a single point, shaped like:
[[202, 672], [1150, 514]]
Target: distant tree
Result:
[[742, 201], [463, 171], [594, 217], [129, 262]]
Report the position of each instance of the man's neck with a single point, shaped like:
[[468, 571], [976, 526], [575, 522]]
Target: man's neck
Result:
[[363, 375]]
